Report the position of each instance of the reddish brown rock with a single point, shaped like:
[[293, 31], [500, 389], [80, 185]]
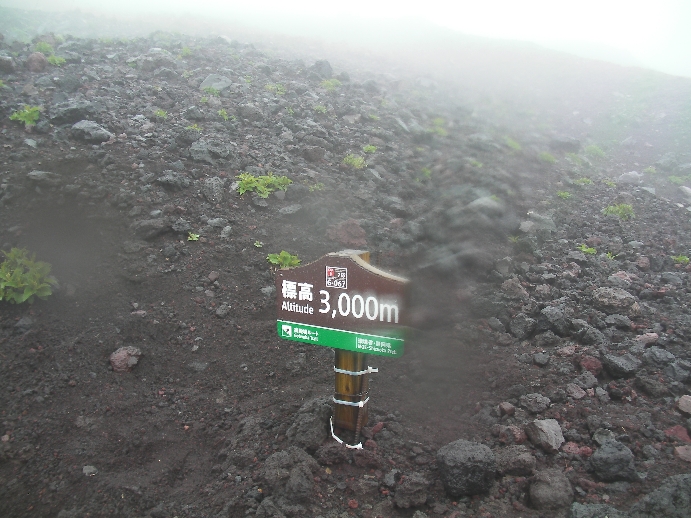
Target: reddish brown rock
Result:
[[591, 364], [512, 435], [348, 233], [125, 358], [36, 62], [678, 432], [643, 263], [506, 408]]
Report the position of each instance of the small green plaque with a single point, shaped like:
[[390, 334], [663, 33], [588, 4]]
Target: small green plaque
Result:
[[380, 345]]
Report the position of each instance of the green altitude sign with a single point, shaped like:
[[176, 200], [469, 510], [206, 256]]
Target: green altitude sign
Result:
[[343, 302]]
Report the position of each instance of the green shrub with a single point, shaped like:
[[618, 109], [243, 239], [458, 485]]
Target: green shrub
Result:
[[194, 127], [283, 260], [609, 183], [320, 108], [650, 170], [223, 113], [623, 211], [212, 91], [512, 144], [275, 88], [679, 180], [587, 250], [44, 48], [28, 115], [354, 161], [583, 181], [185, 52], [594, 151], [564, 195], [161, 114], [330, 85], [22, 277], [680, 259], [56, 61], [262, 185], [546, 157], [369, 148]]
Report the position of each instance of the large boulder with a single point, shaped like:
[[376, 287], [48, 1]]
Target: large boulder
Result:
[[310, 427], [613, 461], [91, 131], [466, 468], [545, 433]]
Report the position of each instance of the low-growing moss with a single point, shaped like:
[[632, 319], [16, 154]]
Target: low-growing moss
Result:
[[623, 211], [354, 161]]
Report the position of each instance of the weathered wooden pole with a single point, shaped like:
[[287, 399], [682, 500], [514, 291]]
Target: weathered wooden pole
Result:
[[351, 388]]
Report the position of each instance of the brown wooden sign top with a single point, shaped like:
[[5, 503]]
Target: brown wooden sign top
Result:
[[340, 291]]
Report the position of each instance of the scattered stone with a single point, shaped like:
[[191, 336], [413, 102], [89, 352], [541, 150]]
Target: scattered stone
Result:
[[615, 300], [36, 62], [289, 473], [613, 461], [596, 511], [515, 460], [591, 364], [125, 358], [411, 491], [91, 131], [534, 403], [679, 433], [550, 490], [90, 471], [574, 391], [683, 453], [522, 326], [684, 404], [545, 433], [466, 468], [310, 427], [621, 366], [506, 408], [671, 500]]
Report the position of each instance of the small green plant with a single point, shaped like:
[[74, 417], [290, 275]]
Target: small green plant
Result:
[[290, 111], [44, 48], [56, 61], [650, 170], [354, 161], [512, 144], [275, 88], [212, 91], [320, 108], [426, 173], [609, 183], [258, 244], [476, 163], [192, 237], [583, 181], [373, 117], [680, 259], [262, 185], [161, 114], [248, 79], [204, 100], [224, 114], [22, 277], [316, 187], [514, 239], [594, 151], [369, 148], [185, 52], [2, 84], [679, 180], [586, 249], [623, 211], [186, 74], [132, 64], [28, 115], [574, 159], [546, 157], [194, 127], [611, 256], [330, 85], [283, 260], [439, 127], [564, 195]]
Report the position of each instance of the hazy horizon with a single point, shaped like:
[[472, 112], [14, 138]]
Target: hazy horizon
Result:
[[625, 33]]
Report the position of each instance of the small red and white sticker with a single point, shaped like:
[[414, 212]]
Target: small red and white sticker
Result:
[[336, 277]]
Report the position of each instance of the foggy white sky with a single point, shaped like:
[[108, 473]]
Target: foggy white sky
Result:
[[655, 33]]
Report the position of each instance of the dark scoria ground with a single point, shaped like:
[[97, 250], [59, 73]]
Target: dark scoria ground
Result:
[[222, 418]]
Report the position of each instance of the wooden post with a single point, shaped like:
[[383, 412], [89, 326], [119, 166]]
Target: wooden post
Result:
[[351, 388]]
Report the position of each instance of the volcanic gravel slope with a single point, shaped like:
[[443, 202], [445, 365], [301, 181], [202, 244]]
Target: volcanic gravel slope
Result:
[[550, 337]]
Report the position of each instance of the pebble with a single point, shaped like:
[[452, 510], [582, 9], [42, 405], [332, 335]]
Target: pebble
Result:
[[684, 404]]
